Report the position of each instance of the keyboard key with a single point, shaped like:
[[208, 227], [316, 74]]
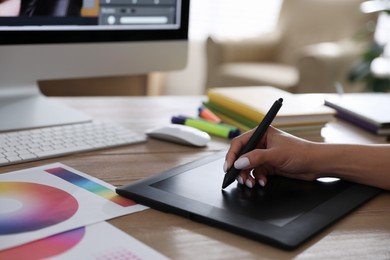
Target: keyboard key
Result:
[[37, 144]]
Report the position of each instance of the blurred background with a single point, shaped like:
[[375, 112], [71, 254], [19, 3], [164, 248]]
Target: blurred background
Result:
[[223, 19], [297, 45]]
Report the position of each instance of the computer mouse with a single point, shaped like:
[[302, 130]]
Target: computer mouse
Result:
[[181, 134]]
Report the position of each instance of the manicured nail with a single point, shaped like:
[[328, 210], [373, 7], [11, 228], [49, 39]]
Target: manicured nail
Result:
[[240, 180], [261, 183], [248, 183], [225, 166], [241, 163]]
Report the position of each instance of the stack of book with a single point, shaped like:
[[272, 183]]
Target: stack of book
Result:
[[370, 111], [245, 107]]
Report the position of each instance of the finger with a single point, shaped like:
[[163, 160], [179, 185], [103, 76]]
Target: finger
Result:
[[260, 173], [261, 176], [243, 176], [235, 147], [251, 160], [250, 182], [270, 132], [262, 180], [260, 169]]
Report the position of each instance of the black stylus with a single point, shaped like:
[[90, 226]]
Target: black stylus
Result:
[[232, 173]]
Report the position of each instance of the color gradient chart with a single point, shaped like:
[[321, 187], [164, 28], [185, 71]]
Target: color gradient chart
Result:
[[39, 202], [44, 248], [100, 241], [90, 185], [31, 206]]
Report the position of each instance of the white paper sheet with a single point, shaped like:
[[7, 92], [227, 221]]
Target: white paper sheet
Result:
[[97, 241], [39, 202]]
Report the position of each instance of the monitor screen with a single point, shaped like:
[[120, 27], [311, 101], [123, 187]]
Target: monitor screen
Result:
[[59, 21], [64, 39]]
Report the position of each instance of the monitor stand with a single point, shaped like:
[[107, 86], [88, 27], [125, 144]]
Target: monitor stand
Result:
[[31, 109]]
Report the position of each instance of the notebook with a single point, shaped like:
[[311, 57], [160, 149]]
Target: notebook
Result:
[[307, 131], [370, 111], [285, 213], [252, 103]]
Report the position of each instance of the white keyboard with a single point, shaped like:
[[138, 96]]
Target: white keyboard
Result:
[[36, 144]]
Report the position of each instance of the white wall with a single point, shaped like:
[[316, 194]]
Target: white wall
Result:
[[221, 18], [189, 81]]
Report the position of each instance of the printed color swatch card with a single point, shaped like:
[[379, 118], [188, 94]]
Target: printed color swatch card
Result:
[[39, 202], [96, 241]]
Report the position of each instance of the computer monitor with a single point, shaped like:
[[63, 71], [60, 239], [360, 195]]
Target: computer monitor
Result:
[[58, 39]]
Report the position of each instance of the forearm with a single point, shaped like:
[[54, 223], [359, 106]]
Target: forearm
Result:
[[367, 164]]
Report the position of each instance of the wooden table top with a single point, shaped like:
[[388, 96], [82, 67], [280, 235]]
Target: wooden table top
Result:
[[363, 234]]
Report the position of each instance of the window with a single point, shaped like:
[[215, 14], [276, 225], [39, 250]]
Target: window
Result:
[[229, 18]]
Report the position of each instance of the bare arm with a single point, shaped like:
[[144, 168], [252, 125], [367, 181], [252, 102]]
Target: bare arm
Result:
[[366, 164], [282, 154]]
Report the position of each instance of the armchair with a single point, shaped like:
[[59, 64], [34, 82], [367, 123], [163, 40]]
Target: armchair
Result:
[[311, 48]]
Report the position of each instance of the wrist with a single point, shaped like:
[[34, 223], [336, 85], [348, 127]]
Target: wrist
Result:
[[326, 160], [338, 160]]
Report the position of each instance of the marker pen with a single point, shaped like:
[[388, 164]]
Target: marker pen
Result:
[[222, 130], [208, 115]]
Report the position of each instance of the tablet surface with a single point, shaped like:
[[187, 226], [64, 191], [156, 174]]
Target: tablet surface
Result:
[[285, 213]]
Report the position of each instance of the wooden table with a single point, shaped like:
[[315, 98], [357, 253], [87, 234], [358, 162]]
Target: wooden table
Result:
[[364, 234]]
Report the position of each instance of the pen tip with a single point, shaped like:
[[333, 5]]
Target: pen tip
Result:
[[224, 184], [280, 100], [229, 178]]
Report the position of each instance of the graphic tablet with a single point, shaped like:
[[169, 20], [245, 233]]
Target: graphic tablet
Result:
[[284, 214]]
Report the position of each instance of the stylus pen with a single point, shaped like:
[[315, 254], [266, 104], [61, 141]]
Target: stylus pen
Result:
[[232, 173]]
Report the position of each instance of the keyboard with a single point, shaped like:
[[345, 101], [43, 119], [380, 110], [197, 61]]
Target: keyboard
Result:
[[37, 144]]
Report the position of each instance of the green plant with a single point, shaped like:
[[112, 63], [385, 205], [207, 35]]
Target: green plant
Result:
[[362, 71]]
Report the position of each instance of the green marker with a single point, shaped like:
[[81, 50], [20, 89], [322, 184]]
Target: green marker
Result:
[[217, 129]]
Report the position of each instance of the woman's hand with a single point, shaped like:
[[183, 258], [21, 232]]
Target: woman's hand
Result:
[[277, 153]]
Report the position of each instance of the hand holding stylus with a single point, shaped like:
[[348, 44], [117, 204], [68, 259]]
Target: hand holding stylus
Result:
[[232, 173]]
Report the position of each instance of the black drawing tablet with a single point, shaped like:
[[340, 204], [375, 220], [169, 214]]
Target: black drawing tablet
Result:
[[284, 214]]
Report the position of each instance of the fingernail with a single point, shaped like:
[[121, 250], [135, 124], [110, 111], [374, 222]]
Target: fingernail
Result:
[[225, 166], [248, 183], [240, 180], [241, 163], [261, 183]]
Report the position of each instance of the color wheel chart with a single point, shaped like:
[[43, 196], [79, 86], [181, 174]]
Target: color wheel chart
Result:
[[100, 241], [32, 206], [44, 248], [40, 202]]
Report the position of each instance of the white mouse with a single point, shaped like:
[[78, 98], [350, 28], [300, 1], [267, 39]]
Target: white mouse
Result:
[[180, 134]]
